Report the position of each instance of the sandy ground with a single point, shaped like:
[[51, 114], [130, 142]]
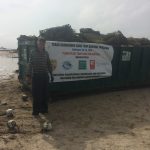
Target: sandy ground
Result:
[[108, 121]]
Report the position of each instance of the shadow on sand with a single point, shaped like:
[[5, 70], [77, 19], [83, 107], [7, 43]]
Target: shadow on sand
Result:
[[80, 121]]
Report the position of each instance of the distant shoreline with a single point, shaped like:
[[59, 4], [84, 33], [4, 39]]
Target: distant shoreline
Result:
[[8, 50], [9, 53]]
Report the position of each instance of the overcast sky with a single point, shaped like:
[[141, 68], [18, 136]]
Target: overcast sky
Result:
[[27, 17]]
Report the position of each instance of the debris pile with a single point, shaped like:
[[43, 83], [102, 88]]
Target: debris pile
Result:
[[67, 34]]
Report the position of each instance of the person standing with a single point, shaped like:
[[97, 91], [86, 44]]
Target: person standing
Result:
[[39, 68]]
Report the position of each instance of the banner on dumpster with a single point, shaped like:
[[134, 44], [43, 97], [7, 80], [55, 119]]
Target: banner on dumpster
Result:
[[72, 61]]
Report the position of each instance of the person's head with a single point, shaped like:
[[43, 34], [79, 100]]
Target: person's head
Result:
[[40, 43]]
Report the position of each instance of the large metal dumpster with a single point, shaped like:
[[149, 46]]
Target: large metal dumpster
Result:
[[130, 67]]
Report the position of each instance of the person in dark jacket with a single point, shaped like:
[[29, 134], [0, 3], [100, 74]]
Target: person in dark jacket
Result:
[[39, 69]]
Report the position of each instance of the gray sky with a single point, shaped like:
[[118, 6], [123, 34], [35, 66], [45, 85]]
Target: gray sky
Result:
[[27, 17]]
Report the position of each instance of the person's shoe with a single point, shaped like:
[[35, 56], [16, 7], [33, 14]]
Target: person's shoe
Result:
[[44, 112], [44, 116], [35, 114], [36, 117]]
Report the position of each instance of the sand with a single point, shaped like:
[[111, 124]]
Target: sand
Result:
[[117, 120]]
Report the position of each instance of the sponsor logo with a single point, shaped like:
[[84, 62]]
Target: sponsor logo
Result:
[[82, 64], [92, 64], [54, 64], [67, 65]]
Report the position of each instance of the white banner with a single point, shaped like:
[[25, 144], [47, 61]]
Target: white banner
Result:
[[72, 61]]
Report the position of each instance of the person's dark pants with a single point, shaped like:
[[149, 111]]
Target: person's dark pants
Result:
[[40, 93]]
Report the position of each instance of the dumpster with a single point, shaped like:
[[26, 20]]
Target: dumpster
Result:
[[119, 67]]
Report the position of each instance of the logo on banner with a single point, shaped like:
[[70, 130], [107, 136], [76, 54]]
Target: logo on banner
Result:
[[82, 64], [67, 65], [92, 64], [54, 64]]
